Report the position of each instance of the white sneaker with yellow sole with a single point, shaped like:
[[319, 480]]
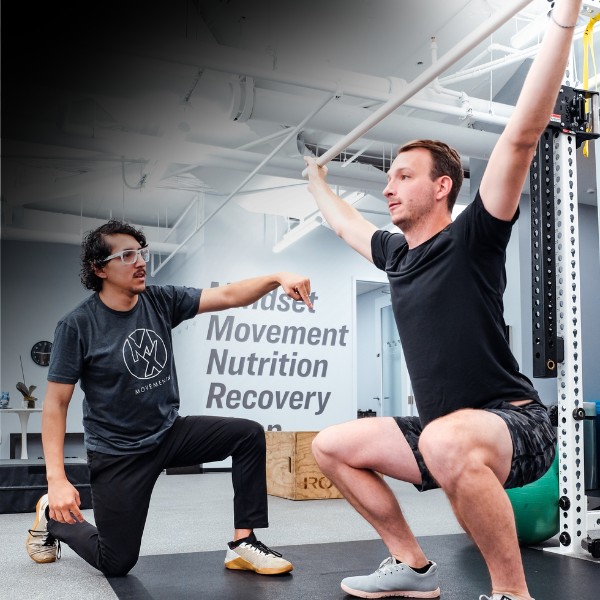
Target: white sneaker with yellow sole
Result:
[[248, 554]]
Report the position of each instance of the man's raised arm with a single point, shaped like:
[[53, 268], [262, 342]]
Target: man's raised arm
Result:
[[509, 162], [345, 220]]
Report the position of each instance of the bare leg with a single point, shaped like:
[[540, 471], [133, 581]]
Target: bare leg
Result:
[[469, 453], [349, 454]]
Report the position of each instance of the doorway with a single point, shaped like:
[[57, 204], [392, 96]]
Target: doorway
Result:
[[383, 385]]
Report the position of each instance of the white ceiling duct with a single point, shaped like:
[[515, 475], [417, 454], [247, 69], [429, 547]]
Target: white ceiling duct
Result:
[[279, 107]]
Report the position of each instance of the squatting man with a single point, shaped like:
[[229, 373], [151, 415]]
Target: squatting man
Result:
[[117, 344], [482, 426]]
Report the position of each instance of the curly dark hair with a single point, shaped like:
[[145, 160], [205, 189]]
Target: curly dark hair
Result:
[[445, 160], [94, 249]]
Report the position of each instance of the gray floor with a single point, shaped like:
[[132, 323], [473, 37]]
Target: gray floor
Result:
[[192, 513]]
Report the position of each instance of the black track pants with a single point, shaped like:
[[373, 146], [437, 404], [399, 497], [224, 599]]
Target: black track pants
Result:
[[122, 486]]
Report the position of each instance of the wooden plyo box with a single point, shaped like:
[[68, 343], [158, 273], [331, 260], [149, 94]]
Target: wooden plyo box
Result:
[[291, 468]]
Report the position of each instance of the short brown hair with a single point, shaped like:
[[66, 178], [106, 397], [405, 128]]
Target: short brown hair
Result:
[[444, 161]]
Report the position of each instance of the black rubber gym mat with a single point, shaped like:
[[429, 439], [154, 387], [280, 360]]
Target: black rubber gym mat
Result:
[[320, 567]]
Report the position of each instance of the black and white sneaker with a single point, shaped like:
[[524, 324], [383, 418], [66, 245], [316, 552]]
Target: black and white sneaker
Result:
[[248, 554]]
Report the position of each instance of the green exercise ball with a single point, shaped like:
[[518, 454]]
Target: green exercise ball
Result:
[[536, 507]]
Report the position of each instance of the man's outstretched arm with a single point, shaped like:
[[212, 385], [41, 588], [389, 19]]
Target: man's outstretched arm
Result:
[[248, 291], [509, 162]]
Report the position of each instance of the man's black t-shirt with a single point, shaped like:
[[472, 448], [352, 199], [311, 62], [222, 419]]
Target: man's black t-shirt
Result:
[[447, 301]]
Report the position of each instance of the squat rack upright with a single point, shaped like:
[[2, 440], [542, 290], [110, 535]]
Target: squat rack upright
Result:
[[556, 310]]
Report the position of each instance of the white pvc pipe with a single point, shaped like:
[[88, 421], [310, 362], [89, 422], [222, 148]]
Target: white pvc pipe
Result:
[[267, 138], [293, 132], [350, 84], [493, 65], [199, 226], [476, 37], [357, 155], [512, 56], [185, 212]]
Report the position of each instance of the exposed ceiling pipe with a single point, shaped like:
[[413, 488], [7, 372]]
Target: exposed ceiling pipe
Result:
[[479, 70], [422, 80], [267, 138], [356, 155], [279, 107], [492, 65], [488, 51], [437, 101], [435, 84], [112, 142], [352, 84], [291, 134]]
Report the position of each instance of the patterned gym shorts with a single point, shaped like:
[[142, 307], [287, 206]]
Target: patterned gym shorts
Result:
[[533, 436]]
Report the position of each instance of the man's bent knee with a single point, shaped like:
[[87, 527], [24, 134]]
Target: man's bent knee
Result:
[[119, 567], [325, 446], [318, 446], [251, 430], [443, 451], [456, 445]]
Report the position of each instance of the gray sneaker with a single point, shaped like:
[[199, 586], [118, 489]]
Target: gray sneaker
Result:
[[394, 578]]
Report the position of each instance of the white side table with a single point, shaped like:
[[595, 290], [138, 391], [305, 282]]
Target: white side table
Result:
[[24, 418]]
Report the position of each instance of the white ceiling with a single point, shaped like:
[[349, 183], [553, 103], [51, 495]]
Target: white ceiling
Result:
[[138, 111]]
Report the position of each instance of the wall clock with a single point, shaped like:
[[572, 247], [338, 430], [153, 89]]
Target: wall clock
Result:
[[40, 353]]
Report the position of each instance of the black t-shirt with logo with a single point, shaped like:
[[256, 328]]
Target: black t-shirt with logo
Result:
[[124, 363], [447, 299]]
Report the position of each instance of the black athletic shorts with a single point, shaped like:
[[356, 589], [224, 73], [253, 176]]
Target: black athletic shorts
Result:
[[532, 433]]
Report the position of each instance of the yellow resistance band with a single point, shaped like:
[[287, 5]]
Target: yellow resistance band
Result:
[[588, 48]]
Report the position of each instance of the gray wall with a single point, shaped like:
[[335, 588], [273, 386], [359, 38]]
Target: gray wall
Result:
[[231, 252], [40, 283]]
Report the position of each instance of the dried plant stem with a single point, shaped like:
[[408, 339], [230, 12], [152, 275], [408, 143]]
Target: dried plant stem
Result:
[[22, 371]]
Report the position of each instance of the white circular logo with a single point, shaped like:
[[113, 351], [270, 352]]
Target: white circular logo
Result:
[[144, 353]]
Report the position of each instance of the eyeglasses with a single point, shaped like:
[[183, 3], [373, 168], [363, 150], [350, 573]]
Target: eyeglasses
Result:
[[129, 257]]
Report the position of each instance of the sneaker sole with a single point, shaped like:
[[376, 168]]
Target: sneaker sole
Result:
[[391, 594], [34, 557], [239, 564]]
